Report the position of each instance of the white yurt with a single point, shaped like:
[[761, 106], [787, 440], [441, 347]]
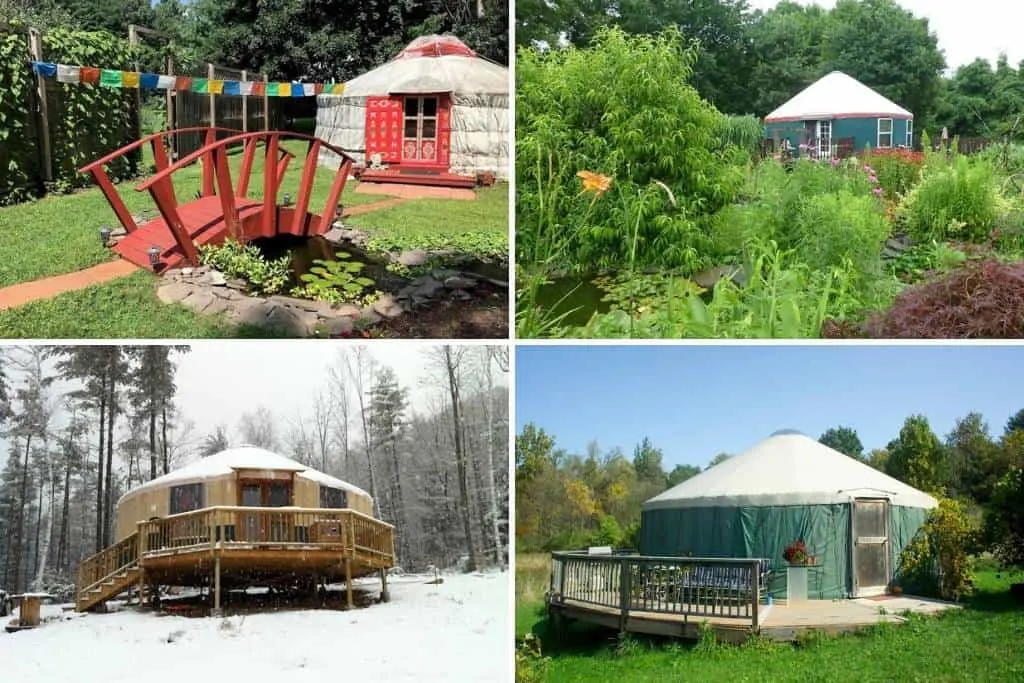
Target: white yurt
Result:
[[437, 107], [854, 519]]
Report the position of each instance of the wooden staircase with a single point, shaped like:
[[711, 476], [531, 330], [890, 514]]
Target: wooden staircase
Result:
[[107, 574]]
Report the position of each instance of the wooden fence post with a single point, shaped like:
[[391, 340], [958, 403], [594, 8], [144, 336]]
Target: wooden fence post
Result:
[[755, 576], [133, 40], [245, 105], [213, 101], [266, 104], [170, 110], [625, 591], [35, 47]]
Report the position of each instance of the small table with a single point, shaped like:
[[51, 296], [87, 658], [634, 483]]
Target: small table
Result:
[[28, 611], [796, 582]]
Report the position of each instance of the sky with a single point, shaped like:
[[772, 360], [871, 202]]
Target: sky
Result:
[[218, 381], [966, 30], [695, 402]]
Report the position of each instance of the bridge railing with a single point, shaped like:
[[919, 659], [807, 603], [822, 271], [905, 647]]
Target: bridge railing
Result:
[[684, 586]]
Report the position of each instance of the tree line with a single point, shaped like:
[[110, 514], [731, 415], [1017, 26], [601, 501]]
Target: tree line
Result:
[[751, 61], [328, 40], [566, 500], [85, 424]]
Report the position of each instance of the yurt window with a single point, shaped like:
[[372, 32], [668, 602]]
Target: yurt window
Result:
[[910, 133], [884, 133], [333, 498], [186, 498], [420, 128]]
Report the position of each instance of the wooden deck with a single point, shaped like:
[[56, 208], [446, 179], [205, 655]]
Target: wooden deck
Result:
[[228, 546], [778, 622]]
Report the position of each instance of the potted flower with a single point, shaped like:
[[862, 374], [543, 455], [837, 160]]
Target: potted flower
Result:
[[796, 552]]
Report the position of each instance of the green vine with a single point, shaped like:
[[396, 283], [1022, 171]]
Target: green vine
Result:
[[19, 155]]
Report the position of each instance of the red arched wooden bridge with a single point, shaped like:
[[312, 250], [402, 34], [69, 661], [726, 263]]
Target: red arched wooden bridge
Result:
[[220, 210]]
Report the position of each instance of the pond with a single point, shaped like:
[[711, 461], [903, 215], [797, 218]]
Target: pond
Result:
[[305, 251], [577, 297]]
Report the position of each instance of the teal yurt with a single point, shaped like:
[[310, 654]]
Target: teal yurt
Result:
[[853, 519], [839, 110]]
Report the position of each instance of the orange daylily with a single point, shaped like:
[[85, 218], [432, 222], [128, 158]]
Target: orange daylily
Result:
[[594, 182]]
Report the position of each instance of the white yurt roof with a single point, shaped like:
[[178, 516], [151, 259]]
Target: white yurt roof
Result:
[[241, 458], [788, 469], [837, 96], [432, 64]]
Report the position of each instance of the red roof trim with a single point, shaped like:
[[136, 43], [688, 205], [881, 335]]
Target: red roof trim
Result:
[[868, 115]]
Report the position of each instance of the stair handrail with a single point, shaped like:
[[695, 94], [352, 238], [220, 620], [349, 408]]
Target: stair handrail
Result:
[[127, 545]]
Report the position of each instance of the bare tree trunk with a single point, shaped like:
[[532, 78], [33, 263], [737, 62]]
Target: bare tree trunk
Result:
[[357, 376], [492, 494], [111, 417], [39, 533], [99, 468], [62, 545], [460, 456], [22, 504], [152, 443], [163, 431]]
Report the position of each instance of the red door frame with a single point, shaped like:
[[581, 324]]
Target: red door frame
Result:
[[385, 131]]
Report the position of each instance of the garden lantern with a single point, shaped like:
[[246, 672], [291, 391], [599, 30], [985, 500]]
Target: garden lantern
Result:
[[338, 212], [287, 200], [154, 256], [105, 234]]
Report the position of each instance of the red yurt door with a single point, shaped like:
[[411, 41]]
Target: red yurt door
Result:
[[409, 130]]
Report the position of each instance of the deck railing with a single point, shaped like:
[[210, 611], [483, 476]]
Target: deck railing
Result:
[[108, 562], [684, 586], [228, 527]]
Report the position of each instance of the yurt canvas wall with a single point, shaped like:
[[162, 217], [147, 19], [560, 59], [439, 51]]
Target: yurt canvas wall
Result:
[[473, 99], [786, 488]]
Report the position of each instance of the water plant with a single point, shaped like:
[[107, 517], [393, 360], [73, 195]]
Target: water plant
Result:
[[335, 281], [247, 262]]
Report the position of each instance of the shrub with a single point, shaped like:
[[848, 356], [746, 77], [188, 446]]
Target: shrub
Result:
[[742, 132], [621, 107], [246, 261], [982, 300], [957, 202], [1004, 520], [841, 227], [531, 665], [937, 560], [897, 170]]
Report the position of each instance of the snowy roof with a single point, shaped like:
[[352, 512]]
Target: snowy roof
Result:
[[837, 96], [432, 64], [241, 458], [788, 469]]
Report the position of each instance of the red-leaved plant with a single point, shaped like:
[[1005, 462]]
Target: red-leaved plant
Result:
[[982, 300], [795, 552]]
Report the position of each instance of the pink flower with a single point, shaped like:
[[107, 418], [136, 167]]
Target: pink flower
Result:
[[835, 162], [877, 191], [874, 179], [867, 169]]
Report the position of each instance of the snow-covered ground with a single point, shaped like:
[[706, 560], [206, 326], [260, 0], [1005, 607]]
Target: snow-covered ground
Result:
[[454, 631]]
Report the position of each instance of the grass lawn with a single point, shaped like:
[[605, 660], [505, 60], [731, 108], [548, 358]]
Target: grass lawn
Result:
[[123, 308], [979, 643], [60, 233]]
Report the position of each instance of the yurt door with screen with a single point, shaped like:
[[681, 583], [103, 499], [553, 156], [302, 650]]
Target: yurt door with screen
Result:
[[265, 525], [824, 136], [871, 566], [425, 135]]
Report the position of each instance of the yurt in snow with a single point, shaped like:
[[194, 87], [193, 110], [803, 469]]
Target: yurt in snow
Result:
[[839, 107], [242, 517], [854, 519], [436, 114]]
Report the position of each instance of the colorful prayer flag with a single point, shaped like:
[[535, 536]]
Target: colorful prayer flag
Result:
[[110, 78], [200, 85], [183, 83], [68, 74], [44, 69], [232, 88], [338, 89], [130, 79], [297, 90], [270, 89], [309, 89], [215, 86], [245, 88], [89, 74], [147, 80], [165, 82]]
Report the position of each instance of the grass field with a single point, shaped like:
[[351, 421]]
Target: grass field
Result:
[[979, 643]]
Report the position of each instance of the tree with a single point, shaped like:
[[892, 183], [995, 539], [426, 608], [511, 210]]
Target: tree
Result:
[[718, 459], [1004, 520], [152, 389], [215, 442], [866, 38], [647, 462], [1015, 422], [681, 473], [844, 440], [975, 460], [257, 428], [388, 403], [452, 358], [916, 457]]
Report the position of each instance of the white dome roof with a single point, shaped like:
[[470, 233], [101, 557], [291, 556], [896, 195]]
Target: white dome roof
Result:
[[241, 458], [837, 96], [788, 469]]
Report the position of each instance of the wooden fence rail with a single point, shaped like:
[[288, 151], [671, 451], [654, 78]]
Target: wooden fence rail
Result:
[[699, 587]]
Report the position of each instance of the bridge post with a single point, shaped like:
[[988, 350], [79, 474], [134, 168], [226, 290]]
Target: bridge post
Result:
[[207, 175], [270, 186], [625, 591], [299, 226], [337, 187], [348, 581]]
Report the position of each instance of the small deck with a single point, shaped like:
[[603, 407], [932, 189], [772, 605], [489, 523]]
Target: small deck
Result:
[[674, 596]]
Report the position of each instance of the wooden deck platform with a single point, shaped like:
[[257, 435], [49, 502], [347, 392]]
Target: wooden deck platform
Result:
[[416, 177], [779, 622]]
